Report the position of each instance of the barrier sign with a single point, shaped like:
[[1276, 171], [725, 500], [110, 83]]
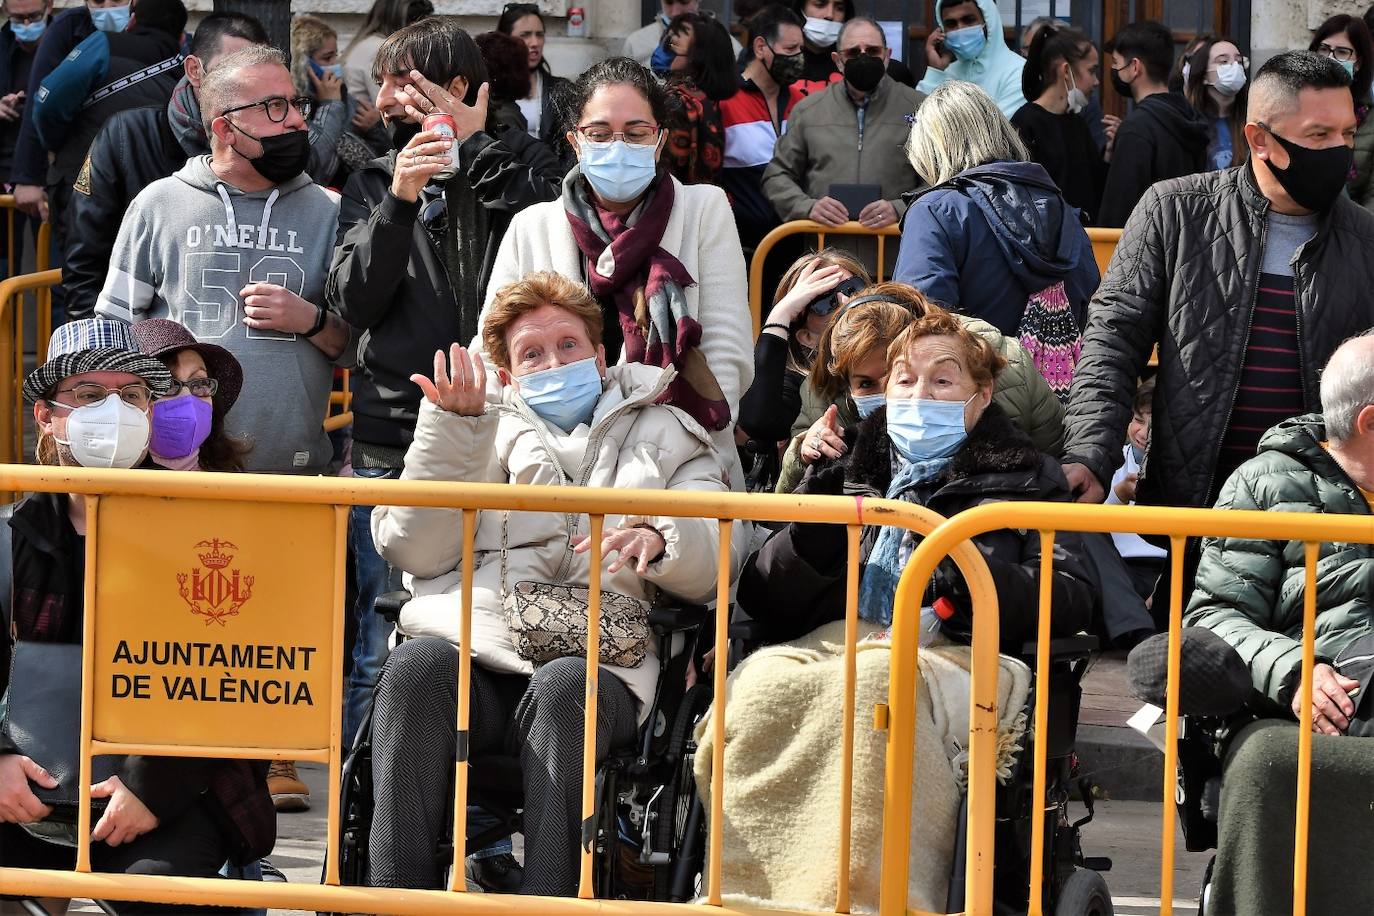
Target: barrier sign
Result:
[[218, 631]]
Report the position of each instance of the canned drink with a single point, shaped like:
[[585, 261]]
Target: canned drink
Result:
[[445, 126], [577, 22]]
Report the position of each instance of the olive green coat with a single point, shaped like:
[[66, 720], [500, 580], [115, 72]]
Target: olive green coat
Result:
[[1251, 592]]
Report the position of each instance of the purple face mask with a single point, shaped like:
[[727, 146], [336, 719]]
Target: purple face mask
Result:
[[180, 425]]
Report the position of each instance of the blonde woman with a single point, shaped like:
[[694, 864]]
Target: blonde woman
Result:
[[992, 229], [345, 132]]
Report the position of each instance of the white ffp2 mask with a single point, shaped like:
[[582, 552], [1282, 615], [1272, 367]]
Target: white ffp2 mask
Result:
[[111, 434]]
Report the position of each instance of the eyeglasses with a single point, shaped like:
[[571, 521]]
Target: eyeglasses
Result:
[[200, 387], [1341, 54], [89, 394], [277, 107], [28, 18], [639, 135], [856, 53]]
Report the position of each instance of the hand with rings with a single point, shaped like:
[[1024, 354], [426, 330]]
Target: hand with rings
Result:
[[825, 438], [424, 156], [422, 97]]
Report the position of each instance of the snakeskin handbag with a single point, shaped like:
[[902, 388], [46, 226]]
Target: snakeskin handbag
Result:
[[549, 621]]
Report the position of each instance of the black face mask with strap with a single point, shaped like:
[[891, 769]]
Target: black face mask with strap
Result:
[[1314, 177], [283, 157]]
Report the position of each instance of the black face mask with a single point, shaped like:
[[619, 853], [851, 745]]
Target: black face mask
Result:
[[786, 69], [284, 156], [864, 73], [402, 131], [1314, 177], [1122, 87]]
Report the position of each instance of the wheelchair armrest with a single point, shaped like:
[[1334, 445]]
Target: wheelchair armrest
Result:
[[389, 604], [1065, 648], [674, 619]]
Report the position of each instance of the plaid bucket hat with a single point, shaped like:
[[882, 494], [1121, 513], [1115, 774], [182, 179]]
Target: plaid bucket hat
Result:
[[94, 345]]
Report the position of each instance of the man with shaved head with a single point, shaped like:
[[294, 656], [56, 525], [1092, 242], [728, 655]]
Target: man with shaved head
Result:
[[1245, 280]]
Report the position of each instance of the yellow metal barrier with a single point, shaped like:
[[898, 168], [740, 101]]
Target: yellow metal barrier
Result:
[[1047, 518], [125, 591], [13, 255], [12, 407], [821, 231], [343, 400], [1104, 244]]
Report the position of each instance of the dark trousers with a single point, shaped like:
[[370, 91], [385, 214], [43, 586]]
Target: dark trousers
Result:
[[536, 719], [190, 846]]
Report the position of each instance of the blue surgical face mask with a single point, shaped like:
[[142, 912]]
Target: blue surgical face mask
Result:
[[867, 403], [967, 43], [30, 32], [1349, 66], [922, 429], [618, 171], [662, 60], [564, 395], [111, 18]]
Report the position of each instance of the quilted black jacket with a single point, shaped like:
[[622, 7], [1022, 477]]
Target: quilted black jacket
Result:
[[1184, 277]]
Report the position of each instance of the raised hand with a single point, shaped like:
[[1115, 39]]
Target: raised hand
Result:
[[815, 280], [423, 97], [825, 438], [460, 386]]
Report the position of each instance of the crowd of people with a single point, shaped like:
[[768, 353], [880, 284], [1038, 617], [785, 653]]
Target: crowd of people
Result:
[[552, 289]]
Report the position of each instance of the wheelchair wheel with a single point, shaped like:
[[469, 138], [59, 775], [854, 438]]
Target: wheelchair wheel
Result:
[[680, 826], [1084, 894]]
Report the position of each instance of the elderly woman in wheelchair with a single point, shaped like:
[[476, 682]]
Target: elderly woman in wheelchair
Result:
[[938, 441], [561, 418]]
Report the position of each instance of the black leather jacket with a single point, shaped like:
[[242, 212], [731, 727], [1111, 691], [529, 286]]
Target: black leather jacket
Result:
[[389, 278], [133, 149], [1184, 277]]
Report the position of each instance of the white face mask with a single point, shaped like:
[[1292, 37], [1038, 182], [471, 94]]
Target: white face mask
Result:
[[822, 32], [1230, 79], [111, 434], [1076, 99]]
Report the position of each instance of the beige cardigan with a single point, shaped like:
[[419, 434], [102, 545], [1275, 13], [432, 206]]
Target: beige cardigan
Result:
[[701, 234]]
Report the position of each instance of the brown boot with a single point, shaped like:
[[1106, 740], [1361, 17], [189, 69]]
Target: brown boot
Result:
[[289, 793]]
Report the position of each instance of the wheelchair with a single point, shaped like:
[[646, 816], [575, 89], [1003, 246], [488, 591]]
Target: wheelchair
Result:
[[649, 837]]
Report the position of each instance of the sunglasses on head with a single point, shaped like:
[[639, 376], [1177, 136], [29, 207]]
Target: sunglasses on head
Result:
[[826, 304]]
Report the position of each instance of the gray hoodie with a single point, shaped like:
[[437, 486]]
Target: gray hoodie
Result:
[[187, 245]]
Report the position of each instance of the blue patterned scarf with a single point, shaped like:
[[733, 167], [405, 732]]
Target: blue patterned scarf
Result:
[[882, 569]]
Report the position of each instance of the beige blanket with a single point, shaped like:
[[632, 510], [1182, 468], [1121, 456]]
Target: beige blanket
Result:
[[780, 838]]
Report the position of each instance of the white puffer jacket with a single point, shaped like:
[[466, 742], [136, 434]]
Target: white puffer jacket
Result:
[[632, 443]]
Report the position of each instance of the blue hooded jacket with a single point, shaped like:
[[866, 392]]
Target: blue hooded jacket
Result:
[[986, 240]]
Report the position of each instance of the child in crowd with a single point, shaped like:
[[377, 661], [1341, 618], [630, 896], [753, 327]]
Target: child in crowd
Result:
[[1144, 560]]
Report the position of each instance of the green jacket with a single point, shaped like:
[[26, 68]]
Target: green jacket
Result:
[[1020, 390], [1251, 592]]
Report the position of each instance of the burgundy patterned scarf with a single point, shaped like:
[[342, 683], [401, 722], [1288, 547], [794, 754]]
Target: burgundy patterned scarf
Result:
[[646, 285]]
